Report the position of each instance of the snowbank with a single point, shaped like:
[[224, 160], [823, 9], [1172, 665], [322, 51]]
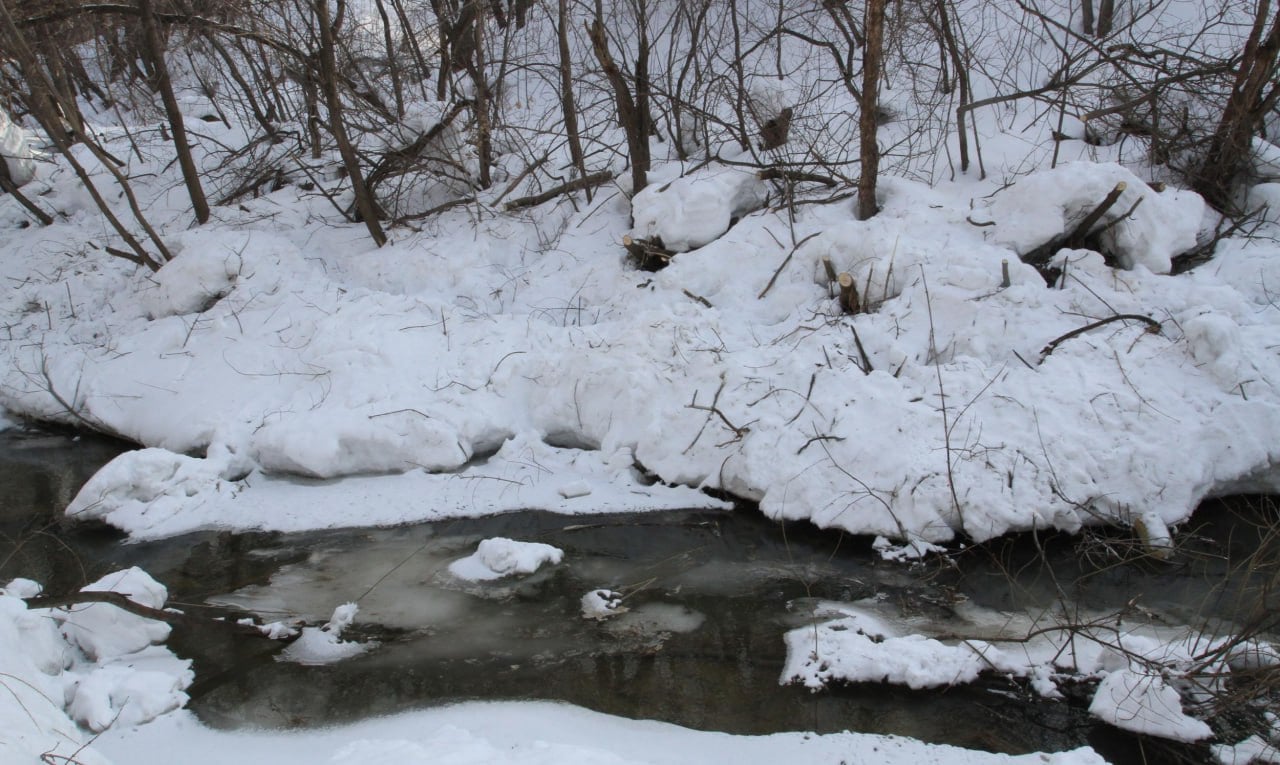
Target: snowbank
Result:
[[1143, 687], [583, 378], [92, 666], [693, 210], [535, 734]]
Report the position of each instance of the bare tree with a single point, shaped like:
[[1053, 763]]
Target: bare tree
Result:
[[364, 201], [154, 48], [869, 146], [1254, 94]]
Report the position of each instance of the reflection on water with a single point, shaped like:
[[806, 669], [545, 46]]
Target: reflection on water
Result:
[[710, 595]]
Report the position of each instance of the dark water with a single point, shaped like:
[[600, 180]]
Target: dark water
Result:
[[711, 595]]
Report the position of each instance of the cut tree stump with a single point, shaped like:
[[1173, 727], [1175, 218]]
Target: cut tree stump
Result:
[[649, 254]]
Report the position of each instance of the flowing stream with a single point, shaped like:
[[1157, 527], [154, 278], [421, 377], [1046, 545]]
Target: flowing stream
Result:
[[710, 595]]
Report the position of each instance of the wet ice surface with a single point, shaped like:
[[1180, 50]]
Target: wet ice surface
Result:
[[707, 596]]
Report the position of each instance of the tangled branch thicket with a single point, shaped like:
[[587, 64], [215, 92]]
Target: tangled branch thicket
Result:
[[400, 108]]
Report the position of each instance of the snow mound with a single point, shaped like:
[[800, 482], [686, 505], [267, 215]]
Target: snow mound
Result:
[[859, 648], [192, 282], [324, 645], [500, 557], [149, 486], [129, 692], [15, 151], [1265, 197], [694, 210], [602, 604], [1141, 672], [1043, 205], [326, 445], [102, 631], [91, 665]]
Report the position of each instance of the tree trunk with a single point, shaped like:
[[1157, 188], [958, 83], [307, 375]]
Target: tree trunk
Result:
[[393, 66], [632, 123], [155, 52], [475, 65], [365, 204], [961, 68], [1106, 17], [869, 148], [568, 107], [1247, 106]]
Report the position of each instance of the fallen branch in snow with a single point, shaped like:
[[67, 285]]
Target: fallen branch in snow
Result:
[[1081, 231], [403, 159], [175, 618], [785, 261], [698, 299], [738, 432], [8, 186], [577, 184], [1153, 326], [866, 360], [795, 176]]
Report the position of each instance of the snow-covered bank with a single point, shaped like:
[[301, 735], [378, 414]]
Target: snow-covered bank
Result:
[[1149, 677], [302, 351], [83, 667], [534, 734]]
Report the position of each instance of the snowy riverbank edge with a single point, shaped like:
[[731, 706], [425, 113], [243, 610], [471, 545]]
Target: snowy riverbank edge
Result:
[[286, 348]]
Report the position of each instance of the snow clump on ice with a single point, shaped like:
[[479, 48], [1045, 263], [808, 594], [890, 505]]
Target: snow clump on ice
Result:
[[500, 557], [602, 604], [324, 645]]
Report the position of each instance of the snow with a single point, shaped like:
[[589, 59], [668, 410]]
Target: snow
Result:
[[15, 150], [410, 386], [1042, 205], [602, 604], [324, 645], [154, 493], [1144, 703], [63, 671], [499, 557], [1140, 671], [1254, 749], [537, 734], [102, 630], [282, 373], [693, 210]]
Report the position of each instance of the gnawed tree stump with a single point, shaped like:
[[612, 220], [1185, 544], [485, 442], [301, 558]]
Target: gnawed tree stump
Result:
[[648, 254]]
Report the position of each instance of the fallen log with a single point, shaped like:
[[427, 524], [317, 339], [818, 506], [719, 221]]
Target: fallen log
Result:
[[577, 184], [175, 618]]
